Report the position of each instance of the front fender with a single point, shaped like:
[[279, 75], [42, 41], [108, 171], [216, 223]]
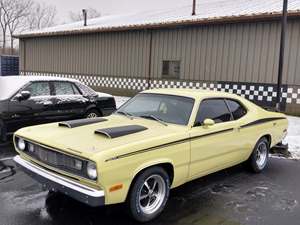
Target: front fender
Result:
[[150, 164]]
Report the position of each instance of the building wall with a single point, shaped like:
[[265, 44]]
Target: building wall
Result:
[[243, 56]]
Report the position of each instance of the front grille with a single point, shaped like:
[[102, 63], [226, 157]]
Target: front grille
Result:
[[57, 160]]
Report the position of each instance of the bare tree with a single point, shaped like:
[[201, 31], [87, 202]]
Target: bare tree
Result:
[[41, 16], [20, 15], [78, 16], [13, 13]]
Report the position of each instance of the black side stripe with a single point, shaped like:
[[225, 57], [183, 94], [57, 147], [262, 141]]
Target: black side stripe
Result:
[[260, 121], [168, 144]]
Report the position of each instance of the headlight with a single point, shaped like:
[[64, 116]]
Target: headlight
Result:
[[92, 170], [21, 144], [31, 148], [78, 164]]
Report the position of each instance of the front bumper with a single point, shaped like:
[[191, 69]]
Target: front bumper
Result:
[[51, 181]]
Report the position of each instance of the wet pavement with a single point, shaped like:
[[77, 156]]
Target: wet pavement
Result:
[[230, 197]]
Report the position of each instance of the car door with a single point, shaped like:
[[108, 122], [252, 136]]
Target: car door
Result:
[[217, 146], [34, 110], [69, 100]]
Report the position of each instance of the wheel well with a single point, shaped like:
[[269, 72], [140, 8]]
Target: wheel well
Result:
[[94, 108], [269, 138], [168, 167]]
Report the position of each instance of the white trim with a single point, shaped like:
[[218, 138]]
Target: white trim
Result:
[[58, 179]]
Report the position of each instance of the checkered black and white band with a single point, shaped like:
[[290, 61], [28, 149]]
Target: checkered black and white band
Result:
[[253, 91]]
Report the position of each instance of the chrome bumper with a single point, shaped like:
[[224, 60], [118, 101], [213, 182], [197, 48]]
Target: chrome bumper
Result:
[[51, 181]]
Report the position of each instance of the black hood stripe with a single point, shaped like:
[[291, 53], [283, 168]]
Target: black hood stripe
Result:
[[257, 122], [261, 121], [169, 144], [115, 132], [80, 122]]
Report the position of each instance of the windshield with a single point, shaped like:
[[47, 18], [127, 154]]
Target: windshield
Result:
[[166, 108]]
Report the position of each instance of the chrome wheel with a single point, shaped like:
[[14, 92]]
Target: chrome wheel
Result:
[[261, 155], [152, 194], [92, 115]]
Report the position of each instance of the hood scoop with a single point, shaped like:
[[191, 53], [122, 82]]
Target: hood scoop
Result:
[[80, 122], [115, 132]]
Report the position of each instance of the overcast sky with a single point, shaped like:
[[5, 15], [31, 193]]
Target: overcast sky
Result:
[[107, 7]]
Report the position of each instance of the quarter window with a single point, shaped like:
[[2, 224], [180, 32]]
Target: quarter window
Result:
[[237, 110], [65, 88], [38, 89], [215, 109]]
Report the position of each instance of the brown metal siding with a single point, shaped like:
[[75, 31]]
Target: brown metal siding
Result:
[[110, 54], [244, 52]]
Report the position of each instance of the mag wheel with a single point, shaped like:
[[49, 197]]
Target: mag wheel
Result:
[[149, 194], [260, 155]]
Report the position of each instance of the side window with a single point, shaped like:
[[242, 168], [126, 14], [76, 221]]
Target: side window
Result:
[[64, 88], [237, 110], [215, 109], [38, 89]]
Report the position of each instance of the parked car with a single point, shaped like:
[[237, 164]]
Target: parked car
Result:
[[30, 100], [158, 140]]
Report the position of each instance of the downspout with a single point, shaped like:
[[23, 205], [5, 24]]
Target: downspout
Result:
[[150, 59], [281, 53]]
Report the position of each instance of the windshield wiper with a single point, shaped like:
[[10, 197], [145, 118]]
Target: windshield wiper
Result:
[[128, 115], [154, 118]]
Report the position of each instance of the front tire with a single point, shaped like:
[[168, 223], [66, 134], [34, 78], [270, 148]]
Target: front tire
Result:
[[93, 113], [149, 194], [260, 156]]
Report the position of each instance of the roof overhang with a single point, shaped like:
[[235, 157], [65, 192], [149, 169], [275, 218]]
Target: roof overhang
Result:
[[183, 23]]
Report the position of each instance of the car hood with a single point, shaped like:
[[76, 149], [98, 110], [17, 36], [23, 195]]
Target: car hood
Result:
[[83, 140]]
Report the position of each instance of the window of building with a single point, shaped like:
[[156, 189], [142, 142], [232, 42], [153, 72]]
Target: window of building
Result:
[[215, 109], [171, 69], [237, 110]]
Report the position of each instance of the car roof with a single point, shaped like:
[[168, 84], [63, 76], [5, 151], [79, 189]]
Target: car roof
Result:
[[193, 93]]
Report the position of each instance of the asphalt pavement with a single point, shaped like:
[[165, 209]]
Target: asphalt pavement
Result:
[[231, 197]]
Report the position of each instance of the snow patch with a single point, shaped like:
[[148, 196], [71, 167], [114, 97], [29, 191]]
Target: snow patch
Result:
[[293, 136], [120, 100], [101, 94], [206, 10]]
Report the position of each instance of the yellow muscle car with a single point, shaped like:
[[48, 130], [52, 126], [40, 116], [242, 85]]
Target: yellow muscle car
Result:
[[158, 140]]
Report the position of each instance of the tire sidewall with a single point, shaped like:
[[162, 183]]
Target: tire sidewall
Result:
[[92, 111], [133, 201], [253, 161]]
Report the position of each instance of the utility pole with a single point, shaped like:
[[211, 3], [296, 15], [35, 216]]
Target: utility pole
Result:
[[194, 8], [281, 53]]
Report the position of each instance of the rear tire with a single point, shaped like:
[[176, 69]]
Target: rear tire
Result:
[[260, 156], [93, 113], [149, 194]]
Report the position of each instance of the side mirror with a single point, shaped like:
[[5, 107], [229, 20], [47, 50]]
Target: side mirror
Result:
[[23, 95], [208, 122]]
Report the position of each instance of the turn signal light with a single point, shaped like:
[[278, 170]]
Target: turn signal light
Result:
[[116, 187]]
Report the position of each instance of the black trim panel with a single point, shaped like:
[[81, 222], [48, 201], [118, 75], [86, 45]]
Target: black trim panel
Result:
[[168, 144], [115, 132], [260, 121], [80, 122]]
